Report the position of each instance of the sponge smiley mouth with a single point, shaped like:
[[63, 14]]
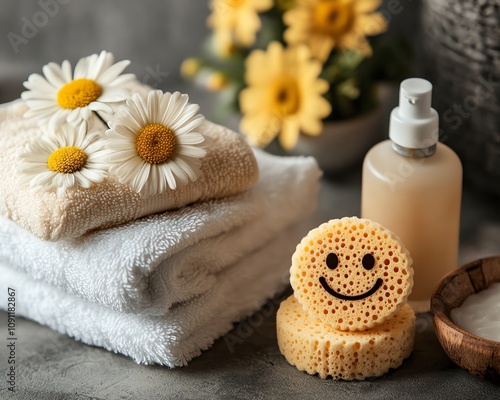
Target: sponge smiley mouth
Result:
[[340, 296], [332, 262]]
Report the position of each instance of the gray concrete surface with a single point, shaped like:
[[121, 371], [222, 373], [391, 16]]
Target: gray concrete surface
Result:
[[53, 366]]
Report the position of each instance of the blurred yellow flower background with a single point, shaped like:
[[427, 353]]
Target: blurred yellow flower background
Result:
[[328, 24], [235, 22], [283, 95], [289, 65]]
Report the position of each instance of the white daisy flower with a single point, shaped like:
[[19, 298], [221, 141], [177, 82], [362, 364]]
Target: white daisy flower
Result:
[[65, 160], [65, 96], [154, 144]]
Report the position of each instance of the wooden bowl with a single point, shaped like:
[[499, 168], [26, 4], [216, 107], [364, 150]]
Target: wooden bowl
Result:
[[479, 356]]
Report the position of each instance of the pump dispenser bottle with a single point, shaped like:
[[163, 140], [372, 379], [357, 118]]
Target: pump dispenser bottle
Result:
[[412, 185]]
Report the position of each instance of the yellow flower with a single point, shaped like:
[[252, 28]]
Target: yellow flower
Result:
[[284, 94], [190, 67], [328, 24], [217, 81], [155, 144], [68, 159], [62, 95], [236, 21], [223, 44]]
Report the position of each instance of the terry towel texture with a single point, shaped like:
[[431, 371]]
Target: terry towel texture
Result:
[[214, 263], [228, 168], [151, 264], [172, 339]]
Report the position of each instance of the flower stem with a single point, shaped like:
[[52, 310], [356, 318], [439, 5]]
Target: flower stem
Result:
[[102, 119]]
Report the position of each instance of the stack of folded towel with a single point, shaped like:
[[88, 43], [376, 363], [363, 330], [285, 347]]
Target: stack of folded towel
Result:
[[110, 270]]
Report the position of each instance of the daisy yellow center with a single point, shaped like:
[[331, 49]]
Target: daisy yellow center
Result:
[[333, 17], [155, 143], [67, 160], [78, 93], [286, 96]]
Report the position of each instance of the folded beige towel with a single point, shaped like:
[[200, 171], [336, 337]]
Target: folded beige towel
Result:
[[228, 168]]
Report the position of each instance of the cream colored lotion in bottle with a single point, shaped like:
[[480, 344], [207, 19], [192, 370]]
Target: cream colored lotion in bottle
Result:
[[412, 185]]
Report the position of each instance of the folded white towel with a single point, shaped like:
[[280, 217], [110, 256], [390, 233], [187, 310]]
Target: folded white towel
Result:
[[150, 264], [172, 339]]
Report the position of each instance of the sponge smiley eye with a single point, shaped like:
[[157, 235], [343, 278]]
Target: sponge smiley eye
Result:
[[352, 273]]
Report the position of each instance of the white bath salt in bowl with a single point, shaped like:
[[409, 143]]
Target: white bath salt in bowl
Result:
[[477, 355], [479, 314]]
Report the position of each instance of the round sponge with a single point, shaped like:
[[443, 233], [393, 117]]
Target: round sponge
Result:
[[316, 348], [351, 273]]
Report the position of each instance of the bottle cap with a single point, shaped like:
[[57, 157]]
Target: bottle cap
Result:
[[414, 124]]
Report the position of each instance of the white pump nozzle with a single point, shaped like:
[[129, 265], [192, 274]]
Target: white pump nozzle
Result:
[[414, 124]]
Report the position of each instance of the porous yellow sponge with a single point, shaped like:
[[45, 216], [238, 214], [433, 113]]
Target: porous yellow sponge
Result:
[[351, 273], [316, 348]]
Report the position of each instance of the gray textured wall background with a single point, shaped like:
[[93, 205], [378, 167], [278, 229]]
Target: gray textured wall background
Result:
[[153, 34]]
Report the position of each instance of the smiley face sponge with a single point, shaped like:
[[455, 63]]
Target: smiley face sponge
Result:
[[351, 273], [312, 346]]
